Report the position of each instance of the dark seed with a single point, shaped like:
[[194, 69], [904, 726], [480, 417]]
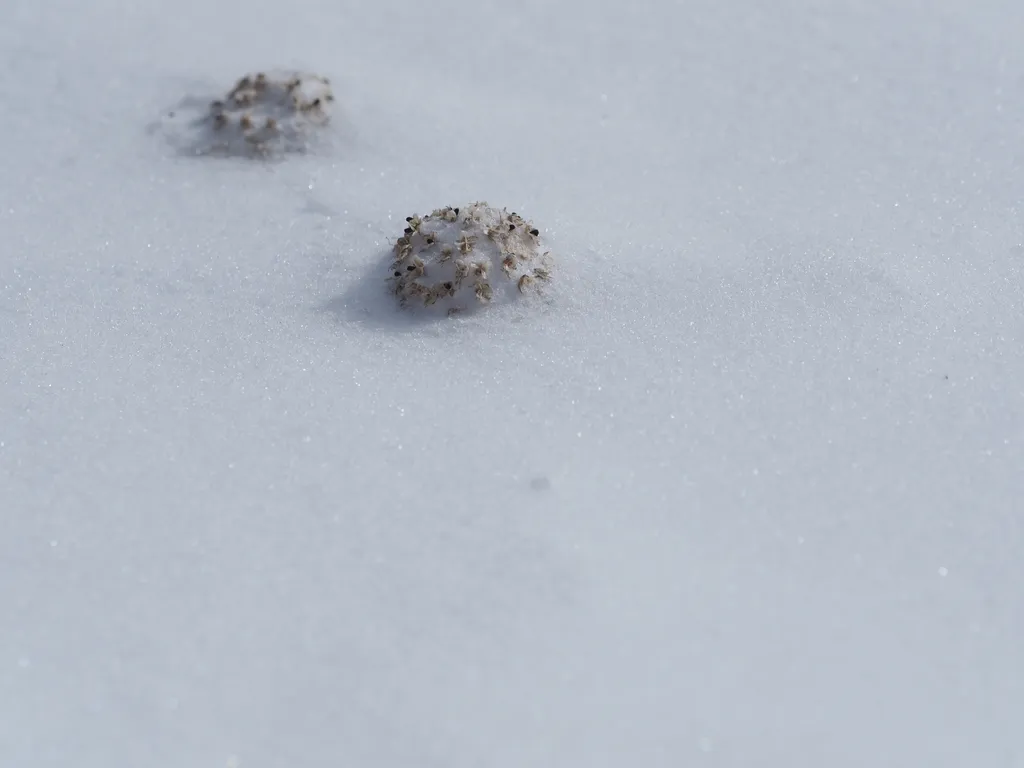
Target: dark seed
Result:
[[511, 227], [534, 232], [397, 273], [410, 268], [456, 211], [408, 230], [448, 285], [408, 218]]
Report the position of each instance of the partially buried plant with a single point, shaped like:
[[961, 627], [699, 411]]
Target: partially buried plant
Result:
[[460, 259], [264, 114]]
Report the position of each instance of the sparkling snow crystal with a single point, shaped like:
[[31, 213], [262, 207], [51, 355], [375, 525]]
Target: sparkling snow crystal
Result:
[[264, 114], [458, 259]]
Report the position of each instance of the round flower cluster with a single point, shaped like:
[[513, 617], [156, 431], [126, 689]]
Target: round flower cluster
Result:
[[263, 114], [458, 259]]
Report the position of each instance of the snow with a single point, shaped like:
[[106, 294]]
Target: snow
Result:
[[745, 489]]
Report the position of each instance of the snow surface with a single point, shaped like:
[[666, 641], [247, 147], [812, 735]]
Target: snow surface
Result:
[[746, 491]]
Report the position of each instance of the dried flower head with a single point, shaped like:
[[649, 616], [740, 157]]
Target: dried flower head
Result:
[[457, 259], [263, 114]]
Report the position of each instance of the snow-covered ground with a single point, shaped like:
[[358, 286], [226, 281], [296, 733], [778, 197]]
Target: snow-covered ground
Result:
[[745, 489]]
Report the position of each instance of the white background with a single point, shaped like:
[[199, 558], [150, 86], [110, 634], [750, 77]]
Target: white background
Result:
[[746, 490]]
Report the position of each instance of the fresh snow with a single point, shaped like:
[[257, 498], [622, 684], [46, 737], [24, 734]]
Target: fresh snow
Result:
[[744, 489]]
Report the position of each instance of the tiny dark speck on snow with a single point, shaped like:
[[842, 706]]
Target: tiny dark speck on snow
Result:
[[540, 483]]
